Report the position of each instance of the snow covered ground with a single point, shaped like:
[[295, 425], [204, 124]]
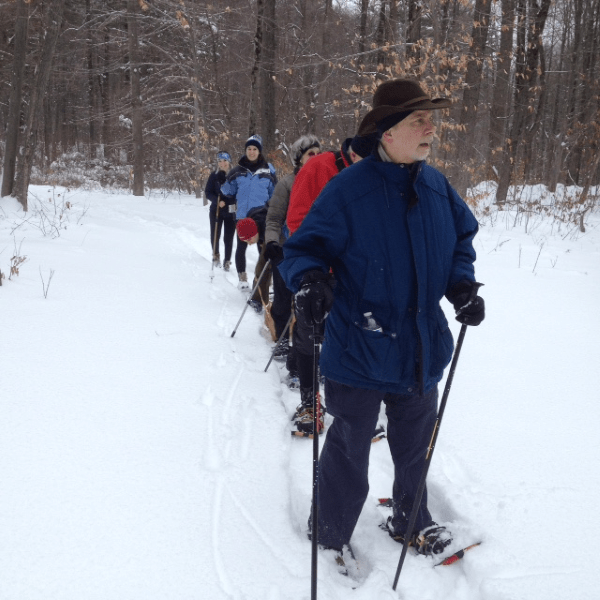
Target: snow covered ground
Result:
[[145, 454]]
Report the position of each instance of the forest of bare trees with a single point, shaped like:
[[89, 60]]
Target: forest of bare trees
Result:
[[140, 93]]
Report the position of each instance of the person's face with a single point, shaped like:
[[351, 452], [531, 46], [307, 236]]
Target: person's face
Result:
[[308, 155], [223, 165], [411, 139], [252, 153]]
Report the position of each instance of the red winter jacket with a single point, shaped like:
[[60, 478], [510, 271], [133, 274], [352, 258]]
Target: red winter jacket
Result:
[[309, 182]]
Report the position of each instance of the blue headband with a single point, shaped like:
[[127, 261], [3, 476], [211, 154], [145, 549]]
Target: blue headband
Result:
[[223, 156]]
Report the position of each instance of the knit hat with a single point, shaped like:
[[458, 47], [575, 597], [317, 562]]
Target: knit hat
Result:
[[363, 144], [301, 145], [388, 122], [223, 156], [398, 96], [254, 140], [246, 229]]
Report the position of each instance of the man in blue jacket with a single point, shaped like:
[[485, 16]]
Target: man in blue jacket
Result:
[[397, 238]]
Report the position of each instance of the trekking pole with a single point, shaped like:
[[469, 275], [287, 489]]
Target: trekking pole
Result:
[[287, 326], [212, 268], [436, 427], [317, 338], [251, 295]]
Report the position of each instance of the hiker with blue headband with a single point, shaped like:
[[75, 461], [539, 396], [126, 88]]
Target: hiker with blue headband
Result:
[[219, 215]]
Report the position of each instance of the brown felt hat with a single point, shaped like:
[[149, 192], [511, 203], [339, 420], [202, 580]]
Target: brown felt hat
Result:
[[397, 96]]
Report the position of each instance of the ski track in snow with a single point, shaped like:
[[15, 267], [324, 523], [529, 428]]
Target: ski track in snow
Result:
[[216, 527]]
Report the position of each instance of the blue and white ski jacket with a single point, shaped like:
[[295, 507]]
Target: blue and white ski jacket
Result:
[[251, 184]]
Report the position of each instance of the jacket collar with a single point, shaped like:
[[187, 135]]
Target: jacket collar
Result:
[[260, 163], [414, 169]]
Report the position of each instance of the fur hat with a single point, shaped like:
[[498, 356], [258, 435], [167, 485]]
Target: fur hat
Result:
[[301, 145], [398, 96], [246, 229], [254, 140]]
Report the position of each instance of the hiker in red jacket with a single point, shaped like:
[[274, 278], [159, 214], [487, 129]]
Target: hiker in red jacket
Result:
[[322, 168], [308, 184]]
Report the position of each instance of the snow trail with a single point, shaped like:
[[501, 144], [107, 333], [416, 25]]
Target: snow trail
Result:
[[146, 454]]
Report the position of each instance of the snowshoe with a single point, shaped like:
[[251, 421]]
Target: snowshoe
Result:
[[256, 305], [304, 416], [429, 541], [432, 539], [450, 560], [282, 351]]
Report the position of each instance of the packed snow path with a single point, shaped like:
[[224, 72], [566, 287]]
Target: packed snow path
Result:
[[146, 454]]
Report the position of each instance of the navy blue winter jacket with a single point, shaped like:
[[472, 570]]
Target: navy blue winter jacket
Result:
[[393, 257], [213, 186], [250, 184]]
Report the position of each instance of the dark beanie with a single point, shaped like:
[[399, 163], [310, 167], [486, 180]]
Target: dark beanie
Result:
[[254, 140], [363, 144], [388, 122]]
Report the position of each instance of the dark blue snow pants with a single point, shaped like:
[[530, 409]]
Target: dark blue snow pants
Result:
[[344, 461]]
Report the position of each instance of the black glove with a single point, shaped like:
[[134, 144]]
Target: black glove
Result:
[[314, 299], [469, 307], [274, 252]]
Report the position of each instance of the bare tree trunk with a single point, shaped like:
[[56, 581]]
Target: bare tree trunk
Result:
[[380, 37], [321, 126], [584, 130], [93, 87], [267, 83], [308, 121], [557, 127], [394, 19], [258, 42], [534, 120], [36, 100], [14, 111], [529, 42], [136, 100], [362, 30], [216, 71], [499, 113], [199, 109], [413, 33], [470, 113], [105, 101]]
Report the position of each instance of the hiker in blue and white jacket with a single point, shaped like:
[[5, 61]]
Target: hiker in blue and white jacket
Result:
[[250, 184], [398, 239]]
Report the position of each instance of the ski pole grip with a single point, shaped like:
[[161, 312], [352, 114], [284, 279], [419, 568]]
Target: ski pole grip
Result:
[[472, 296], [475, 290]]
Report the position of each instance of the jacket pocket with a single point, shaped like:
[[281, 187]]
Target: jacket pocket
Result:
[[372, 354], [441, 345]]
